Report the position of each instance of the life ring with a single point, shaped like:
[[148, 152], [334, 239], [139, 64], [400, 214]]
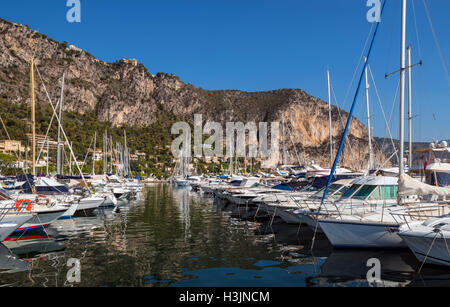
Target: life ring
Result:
[[21, 202], [39, 197], [18, 204]]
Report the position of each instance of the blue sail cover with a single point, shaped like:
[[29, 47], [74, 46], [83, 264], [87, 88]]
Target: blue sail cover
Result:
[[45, 186], [443, 179], [27, 180]]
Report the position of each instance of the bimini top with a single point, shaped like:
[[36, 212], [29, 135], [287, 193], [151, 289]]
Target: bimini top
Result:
[[376, 180]]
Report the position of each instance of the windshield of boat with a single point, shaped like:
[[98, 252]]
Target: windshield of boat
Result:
[[364, 192], [371, 192], [358, 192], [334, 191]]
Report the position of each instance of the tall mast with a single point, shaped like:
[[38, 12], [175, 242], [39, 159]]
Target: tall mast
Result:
[[70, 161], [111, 145], [125, 166], [329, 115], [368, 119], [402, 90], [46, 139], [284, 143], [105, 149], [410, 108], [231, 161], [93, 154], [33, 119], [58, 157]]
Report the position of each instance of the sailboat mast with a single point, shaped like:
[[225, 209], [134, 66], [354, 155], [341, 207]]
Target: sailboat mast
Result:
[[105, 149], [125, 166], [369, 128], [231, 161], [329, 116], [33, 119], [59, 153], [284, 142], [410, 108], [111, 158], [47, 153], [70, 161], [93, 154], [402, 90]]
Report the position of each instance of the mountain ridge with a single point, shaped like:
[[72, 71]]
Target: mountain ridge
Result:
[[125, 93]]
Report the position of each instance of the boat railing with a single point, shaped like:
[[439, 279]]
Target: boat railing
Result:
[[13, 209], [353, 207], [421, 212]]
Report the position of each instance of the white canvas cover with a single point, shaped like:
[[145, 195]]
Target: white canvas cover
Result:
[[409, 186]]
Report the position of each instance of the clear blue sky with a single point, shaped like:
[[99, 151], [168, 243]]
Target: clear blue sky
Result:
[[257, 45]]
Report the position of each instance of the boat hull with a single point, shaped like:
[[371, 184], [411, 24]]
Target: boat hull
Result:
[[88, 205], [41, 220], [10, 223], [349, 234], [421, 247]]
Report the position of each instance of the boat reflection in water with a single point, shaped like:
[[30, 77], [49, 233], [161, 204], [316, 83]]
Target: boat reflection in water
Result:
[[33, 246], [354, 268], [10, 263]]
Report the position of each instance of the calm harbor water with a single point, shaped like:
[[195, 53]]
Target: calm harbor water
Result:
[[175, 237]]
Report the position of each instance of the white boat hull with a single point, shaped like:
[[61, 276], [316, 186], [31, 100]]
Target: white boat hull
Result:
[[41, 220], [420, 246], [87, 205], [349, 234], [10, 223]]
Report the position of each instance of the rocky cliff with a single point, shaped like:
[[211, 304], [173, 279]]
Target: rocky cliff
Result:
[[124, 92]]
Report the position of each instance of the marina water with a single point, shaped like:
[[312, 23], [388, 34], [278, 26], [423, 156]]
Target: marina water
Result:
[[176, 237]]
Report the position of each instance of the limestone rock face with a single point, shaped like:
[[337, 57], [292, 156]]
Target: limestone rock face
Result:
[[124, 92]]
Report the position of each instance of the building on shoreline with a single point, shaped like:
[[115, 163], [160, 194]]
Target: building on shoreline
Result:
[[10, 146]]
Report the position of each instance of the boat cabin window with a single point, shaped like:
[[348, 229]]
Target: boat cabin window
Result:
[[350, 191], [341, 191], [384, 192], [364, 192], [389, 191]]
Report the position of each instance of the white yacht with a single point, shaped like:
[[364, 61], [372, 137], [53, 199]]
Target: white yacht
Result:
[[429, 240], [376, 220]]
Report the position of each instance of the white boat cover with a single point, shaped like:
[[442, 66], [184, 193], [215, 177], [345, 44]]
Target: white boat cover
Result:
[[409, 186]]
